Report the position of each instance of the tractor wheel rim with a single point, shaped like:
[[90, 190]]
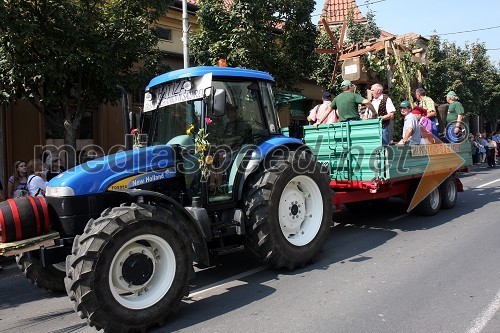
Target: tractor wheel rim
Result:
[[300, 210], [154, 283]]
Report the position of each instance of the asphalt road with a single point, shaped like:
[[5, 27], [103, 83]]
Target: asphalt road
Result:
[[382, 271]]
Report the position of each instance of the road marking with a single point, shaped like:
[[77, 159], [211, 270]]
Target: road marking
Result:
[[498, 180], [398, 217], [228, 280], [481, 321]]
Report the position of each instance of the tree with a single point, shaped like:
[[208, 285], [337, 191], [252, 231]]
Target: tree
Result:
[[469, 72], [276, 36], [66, 57]]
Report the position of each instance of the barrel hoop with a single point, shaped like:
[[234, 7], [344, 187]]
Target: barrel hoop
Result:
[[3, 227], [17, 220], [45, 212], [37, 216]]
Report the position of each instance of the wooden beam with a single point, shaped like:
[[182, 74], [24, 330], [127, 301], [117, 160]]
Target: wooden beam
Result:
[[18, 247], [330, 33], [375, 47]]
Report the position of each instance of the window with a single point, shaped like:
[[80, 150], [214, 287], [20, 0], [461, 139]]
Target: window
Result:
[[164, 33]]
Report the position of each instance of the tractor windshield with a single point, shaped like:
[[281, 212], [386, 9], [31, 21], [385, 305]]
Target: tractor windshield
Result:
[[173, 120], [249, 109]]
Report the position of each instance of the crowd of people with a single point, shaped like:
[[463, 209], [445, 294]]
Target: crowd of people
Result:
[[485, 148], [30, 178], [421, 121]]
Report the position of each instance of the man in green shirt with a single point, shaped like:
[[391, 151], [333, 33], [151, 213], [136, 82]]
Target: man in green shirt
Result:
[[347, 102], [456, 111]]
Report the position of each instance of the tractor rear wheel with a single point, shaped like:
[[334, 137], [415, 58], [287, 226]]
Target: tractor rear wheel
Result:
[[49, 277], [288, 207]]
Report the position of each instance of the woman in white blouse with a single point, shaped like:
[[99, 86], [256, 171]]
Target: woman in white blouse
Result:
[[36, 179]]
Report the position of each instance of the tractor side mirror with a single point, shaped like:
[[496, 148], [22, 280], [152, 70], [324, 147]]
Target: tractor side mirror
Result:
[[219, 103]]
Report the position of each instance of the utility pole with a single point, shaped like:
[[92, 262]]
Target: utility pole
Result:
[[185, 34]]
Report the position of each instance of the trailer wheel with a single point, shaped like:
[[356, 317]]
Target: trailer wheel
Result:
[[130, 269], [288, 207], [430, 205], [449, 193], [50, 277]]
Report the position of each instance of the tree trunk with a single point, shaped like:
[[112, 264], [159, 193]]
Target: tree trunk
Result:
[[71, 125]]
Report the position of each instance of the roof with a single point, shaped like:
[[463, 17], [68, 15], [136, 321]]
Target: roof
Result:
[[215, 70], [337, 11], [410, 38]]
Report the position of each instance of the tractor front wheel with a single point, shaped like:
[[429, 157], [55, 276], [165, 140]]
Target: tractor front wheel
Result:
[[130, 269]]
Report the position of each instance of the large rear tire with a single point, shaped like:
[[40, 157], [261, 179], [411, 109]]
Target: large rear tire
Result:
[[449, 193], [288, 207], [130, 269], [49, 277], [430, 205]]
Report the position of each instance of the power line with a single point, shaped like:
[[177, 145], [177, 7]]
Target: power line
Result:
[[498, 48], [461, 32]]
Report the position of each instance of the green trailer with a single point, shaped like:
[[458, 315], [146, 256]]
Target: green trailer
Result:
[[364, 172]]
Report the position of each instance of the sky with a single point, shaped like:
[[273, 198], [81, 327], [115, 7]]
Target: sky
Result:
[[442, 17]]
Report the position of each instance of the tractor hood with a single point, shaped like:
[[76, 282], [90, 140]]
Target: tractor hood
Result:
[[126, 169]]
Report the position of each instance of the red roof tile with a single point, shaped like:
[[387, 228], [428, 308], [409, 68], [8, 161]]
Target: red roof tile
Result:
[[336, 11]]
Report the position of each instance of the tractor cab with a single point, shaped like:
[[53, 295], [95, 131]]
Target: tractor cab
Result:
[[217, 116]]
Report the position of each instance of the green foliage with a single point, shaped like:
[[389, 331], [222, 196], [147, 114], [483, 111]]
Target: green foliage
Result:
[[469, 72], [358, 32], [275, 36], [66, 57]]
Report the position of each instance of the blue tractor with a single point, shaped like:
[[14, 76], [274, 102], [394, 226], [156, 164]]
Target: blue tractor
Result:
[[215, 176]]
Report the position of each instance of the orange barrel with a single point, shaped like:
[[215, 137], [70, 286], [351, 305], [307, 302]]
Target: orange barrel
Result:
[[23, 218]]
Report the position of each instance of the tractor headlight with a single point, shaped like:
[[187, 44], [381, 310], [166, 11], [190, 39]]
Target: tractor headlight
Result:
[[59, 191]]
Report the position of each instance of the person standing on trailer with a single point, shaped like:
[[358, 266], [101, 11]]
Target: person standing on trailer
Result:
[[427, 103], [385, 110], [323, 113], [347, 103], [411, 128], [456, 113]]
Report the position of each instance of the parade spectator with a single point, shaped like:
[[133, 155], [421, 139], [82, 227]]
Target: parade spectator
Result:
[[18, 181], [36, 179], [384, 109], [347, 103], [411, 128], [456, 113], [483, 146], [474, 147], [427, 103], [323, 113], [491, 152], [53, 164]]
